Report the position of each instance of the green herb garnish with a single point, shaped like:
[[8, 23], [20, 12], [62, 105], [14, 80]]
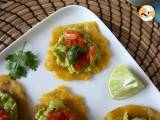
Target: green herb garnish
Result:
[[73, 53], [18, 63]]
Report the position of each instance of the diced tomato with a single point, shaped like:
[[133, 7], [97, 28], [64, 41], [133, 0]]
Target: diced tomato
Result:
[[4, 115], [56, 116], [69, 43], [82, 61], [70, 35], [92, 53], [72, 38], [62, 114], [78, 66], [71, 32], [81, 41]]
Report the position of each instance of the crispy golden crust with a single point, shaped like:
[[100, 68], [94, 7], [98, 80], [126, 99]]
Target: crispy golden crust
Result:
[[133, 111], [73, 102], [92, 29], [14, 88]]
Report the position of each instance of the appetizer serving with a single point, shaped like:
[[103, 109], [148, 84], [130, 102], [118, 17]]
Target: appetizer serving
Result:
[[61, 104], [133, 112], [77, 50], [13, 101]]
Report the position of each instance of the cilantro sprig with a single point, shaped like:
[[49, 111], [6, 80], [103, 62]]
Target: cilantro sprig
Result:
[[73, 53], [20, 62]]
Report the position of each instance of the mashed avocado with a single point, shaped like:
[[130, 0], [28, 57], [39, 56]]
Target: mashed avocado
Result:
[[66, 57], [139, 118], [54, 104], [59, 51], [126, 117], [8, 103]]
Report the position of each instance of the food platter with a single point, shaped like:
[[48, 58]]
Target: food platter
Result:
[[94, 91]]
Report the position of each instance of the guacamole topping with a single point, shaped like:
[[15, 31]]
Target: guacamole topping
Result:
[[53, 110], [8, 103], [137, 118], [126, 117], [76, 51]]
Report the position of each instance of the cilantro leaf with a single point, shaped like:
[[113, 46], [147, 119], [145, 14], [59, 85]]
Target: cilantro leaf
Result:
[[31, 60], [12, 57], [20, 62], [19, 72], [74, 52]]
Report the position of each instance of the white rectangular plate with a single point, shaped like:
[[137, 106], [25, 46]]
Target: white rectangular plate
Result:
[[95, 90]]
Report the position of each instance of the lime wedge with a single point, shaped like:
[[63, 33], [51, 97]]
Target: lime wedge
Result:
[[123, 84]]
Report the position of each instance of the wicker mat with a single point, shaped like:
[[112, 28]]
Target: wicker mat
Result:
[[141, 39]]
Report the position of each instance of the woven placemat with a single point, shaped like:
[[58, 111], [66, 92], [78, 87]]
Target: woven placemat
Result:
[[141, 39]]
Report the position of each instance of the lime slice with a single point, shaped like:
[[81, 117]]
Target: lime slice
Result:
[[123, 84]]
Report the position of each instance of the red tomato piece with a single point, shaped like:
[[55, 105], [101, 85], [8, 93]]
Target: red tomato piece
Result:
[[4, 115], [70, 35], [81, 41], [70, 38], [73, 38], [92, 53], [82, 61], [78, 66], [56, 116], [71, 32], [61, 114], [69, 43]]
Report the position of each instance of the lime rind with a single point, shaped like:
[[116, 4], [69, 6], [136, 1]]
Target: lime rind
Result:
[[123, 84]]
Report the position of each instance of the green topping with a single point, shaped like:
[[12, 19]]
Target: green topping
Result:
[[137, 118], [71, 69], [43, 112], [73, 53], [59, 50], [55, 104], [60, 54], [19, 62], [90, 42], [126, 117], [87, 69], [67, 57], [78, 29], [8, 103], [61, 40]]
